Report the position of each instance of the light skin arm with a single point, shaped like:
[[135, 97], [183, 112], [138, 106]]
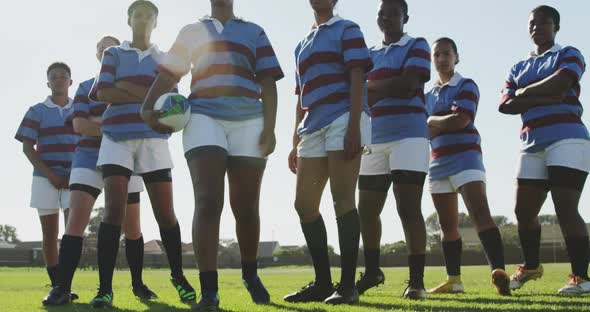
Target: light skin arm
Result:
[[448, 123], [86, 126]]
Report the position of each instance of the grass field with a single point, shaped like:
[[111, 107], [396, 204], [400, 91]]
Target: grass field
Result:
[[23, 289]]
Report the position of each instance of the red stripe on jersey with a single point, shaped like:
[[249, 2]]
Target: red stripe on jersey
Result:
[[462, 131], [266, 51], [364, 63], [384, 73], [319, 58], [467, 95], [572, 59], [56, 131], [222, 69], [23, 138], [356, 43], [123, 119], [81, 99], [323, 80], [29, 123], [89, 143], [142, 80], [549, 121], [418, 53], [108, 69], [333, 98], [226, 46], [275, 72], [56, 148], [453, 149]]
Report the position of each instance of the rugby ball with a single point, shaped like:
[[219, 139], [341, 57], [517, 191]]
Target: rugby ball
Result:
[[176, 110]]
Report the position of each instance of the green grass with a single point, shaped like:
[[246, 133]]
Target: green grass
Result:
[[23, 289]]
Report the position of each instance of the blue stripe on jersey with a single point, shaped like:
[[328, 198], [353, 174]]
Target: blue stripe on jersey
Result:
[[394, 119], [547, 124], [227, 66], [86, 154], [453, 152], [121, 63], [44, 126], [323, 60]]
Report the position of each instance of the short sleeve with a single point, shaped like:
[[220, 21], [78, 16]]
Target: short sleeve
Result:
[[418, 60], [28, 129], [354, 49], [107, 74], [467, 99], [571, 62], [267, 64]]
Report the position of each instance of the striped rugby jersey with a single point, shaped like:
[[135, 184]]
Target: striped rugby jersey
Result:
[[123, 63], [323, 61], [227, 63], [392, 118], [43, 125], [454, 152], [86, 154], [544, 125]]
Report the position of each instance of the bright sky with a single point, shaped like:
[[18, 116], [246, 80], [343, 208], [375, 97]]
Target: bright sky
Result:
[[491, 35]]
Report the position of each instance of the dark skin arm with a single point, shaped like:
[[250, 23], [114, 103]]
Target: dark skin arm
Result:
[[299, 115], [449, 123], [57, 181], [163, 84], [352, 139], [269, 96], [133, 89], [548, 91], [403, 86]]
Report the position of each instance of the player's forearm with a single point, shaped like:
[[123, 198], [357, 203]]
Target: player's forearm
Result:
[[357, 81], [521, 104], [400, 86], [299, 115], [35, 160], [116, 96], [449, 123], [161, 85], [269, 103], [556, 85], [86, 126]]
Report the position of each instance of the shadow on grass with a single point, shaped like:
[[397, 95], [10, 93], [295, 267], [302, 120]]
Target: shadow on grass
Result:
[[151, 305]]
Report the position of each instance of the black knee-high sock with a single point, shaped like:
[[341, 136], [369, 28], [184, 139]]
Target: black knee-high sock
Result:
[[70, 251], [493, 248], [173, 245], [349, 232], [578, 249], [52, 273], [372, 260], [416, 264], [209, 282], [107, 249], [249, 270], [530, 242], [317, 243], [134, 253], [452, 251]]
